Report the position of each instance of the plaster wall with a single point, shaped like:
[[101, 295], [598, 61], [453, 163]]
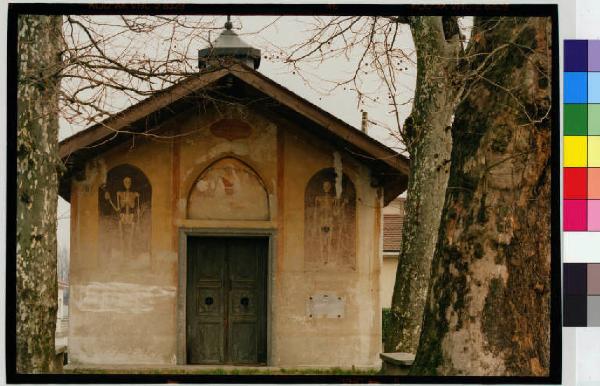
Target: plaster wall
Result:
[[298, 339], [124, 308]]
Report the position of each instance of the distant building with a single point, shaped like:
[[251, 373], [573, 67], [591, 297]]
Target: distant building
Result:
[[62, 316], [393, 223], [246, 229], [63, 300]]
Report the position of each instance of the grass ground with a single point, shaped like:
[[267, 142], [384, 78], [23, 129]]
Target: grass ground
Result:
[[217, 371]]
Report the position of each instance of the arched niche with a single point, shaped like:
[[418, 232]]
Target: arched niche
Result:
[[228, 190], [124, 208], [330, 221]]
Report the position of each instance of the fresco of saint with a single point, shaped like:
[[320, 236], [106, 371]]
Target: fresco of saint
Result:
[[329, 236]]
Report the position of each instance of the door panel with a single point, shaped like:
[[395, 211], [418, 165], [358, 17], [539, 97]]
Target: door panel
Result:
[[244, 342], [206, 301], [209, 301], [208, 344], [227, 322], [243, 303], [247, 262]]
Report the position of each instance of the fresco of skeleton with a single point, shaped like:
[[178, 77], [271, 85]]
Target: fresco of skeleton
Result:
[[124, 206], [330, 228], [128, 211]]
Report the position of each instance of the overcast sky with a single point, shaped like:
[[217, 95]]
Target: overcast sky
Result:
[[275, 37]]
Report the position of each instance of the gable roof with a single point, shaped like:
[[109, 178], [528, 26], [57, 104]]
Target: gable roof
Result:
[[390, 168]]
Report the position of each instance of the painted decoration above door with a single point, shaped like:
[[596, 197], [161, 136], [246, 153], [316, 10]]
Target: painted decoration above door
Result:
[[228, 190]]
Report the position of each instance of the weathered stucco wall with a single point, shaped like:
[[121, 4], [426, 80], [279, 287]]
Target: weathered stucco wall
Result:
[[123, 307], [124, 291], [299, 339]]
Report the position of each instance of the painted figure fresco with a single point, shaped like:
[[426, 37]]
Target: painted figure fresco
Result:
[[128, 210], [329, 221], [124, 203], [228, 190]]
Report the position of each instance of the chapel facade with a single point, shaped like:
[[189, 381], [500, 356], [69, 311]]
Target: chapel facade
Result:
[[226, 220]]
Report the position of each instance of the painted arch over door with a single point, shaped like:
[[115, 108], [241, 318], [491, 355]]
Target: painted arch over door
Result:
[[228, 190]]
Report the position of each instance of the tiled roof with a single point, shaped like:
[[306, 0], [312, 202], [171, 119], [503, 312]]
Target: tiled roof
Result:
[[393, 223], [392, 231]]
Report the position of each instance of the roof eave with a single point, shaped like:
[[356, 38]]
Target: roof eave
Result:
[[396, 166]]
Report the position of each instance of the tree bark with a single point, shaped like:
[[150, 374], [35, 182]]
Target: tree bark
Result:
[[38, 164], [428, 139], [488, 307]]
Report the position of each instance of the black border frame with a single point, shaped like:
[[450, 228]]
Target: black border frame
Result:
[[14, 9]]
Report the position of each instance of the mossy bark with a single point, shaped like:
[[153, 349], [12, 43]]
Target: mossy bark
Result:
[[488, 307], [428, 139], [39, 63]]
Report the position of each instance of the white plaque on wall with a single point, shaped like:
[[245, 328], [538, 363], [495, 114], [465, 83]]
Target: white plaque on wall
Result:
[[326, 305]]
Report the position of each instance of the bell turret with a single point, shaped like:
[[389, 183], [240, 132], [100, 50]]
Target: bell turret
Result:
[[229, 45]]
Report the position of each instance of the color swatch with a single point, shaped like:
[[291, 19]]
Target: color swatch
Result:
[[581, 291], [581, 140]]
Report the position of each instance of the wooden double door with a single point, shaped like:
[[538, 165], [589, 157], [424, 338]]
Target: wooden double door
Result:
[[226, 302]]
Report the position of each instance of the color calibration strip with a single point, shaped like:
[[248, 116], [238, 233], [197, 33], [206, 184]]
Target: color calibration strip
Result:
[[581, 118], [581, 291]]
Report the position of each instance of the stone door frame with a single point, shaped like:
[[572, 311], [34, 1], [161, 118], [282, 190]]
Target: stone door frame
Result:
[[184, 233]]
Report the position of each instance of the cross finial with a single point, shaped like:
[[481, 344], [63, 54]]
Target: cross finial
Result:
[[228, 24]]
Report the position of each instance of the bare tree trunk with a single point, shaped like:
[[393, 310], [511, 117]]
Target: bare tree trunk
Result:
[[428, 139], [39, 64], [488, 308]]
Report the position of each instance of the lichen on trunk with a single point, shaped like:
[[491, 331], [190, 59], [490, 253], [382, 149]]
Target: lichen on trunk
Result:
[[38, 165], [488, 307], [428, 139]]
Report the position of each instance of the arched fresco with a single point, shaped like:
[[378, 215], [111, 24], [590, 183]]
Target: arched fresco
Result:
[[330, 221], [228, 190], [124, 203]]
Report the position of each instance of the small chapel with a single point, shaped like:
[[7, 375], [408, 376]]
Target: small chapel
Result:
[[227, 221]]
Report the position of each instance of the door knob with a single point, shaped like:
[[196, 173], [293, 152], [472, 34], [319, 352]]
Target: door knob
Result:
[[245, 301], [208, 301]]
